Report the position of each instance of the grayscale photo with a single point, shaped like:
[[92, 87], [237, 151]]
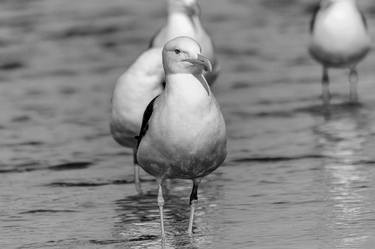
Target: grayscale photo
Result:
[[187, 124]]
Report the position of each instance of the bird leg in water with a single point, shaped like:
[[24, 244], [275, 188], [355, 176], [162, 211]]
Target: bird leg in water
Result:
[[353, 81], [325, 87], [193, 204], [161, 207], [137, 181]]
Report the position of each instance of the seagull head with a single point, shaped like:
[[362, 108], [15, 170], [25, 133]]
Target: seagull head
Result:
[[183, 55], [189, 7]]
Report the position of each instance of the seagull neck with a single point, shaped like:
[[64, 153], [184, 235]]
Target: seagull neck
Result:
[[187, 85], [175, 8]]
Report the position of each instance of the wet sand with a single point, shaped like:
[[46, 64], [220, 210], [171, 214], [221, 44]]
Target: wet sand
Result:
[[294, 177]]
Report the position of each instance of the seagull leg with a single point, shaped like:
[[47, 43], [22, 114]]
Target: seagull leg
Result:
[[353, 81], [161, 207], [325, 86], [193, 204], [137, 181]]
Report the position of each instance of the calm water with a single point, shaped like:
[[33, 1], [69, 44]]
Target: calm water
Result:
[[295, 177]]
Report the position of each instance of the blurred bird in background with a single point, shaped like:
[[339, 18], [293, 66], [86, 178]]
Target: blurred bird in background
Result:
[[183, 132], [134, 90], [184, 20], [339, 39], [144, 79]]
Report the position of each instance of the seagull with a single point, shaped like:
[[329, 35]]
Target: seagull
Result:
[[184, 20], [183, 132], [135, 88], [339, 39]]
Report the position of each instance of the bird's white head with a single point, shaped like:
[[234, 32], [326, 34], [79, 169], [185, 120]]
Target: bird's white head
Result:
[[189, 7], [183, 55]]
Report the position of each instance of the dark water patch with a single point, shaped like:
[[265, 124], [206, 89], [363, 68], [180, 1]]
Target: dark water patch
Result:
[[364, 162], [240, 85], [280, 202], [268, 182], [136, 40], [296, 202], [256, 195], [85, 31], [34, 166], [299, 61], [11, 65], [43, 211], [116, 12], [30, 143], [102, 69], [34, 92], [21, 119], [276, 158], [361, 187], [279, 114], [145, 237], [279, 4], [119, 153], [70, 166], [109, 44], [216, 18], [273, 114], [285, 101], [76, 184], [68, 90], [96, 136], [245, 67], [94, 183], [46, 111], [59, 73], [332, 109], [108, 241], [20, 168], [235, 52]]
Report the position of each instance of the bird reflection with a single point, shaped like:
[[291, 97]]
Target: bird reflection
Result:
[[137, 219], [341, 138]]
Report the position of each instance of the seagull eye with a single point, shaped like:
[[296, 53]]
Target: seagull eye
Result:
[[177, 51]]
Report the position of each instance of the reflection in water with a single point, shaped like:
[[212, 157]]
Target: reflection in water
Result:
[[341, 138], [138, 217]]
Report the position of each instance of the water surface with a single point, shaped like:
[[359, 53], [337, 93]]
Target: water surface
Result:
[[295, 176]]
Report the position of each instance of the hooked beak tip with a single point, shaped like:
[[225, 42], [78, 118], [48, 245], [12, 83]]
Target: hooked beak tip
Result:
[[205, 62]]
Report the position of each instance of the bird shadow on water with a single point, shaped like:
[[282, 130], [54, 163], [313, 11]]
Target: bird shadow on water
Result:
[[341, 136]]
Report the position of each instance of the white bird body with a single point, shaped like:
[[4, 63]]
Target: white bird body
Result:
[[133, 91], [186, 137], [184, 20], [340, 37], [183, 132]]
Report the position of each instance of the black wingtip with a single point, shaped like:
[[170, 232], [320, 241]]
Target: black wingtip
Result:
[[146, 117], [315, 9]]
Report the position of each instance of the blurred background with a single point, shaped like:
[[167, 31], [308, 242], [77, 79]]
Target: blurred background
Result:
[[294, 177]]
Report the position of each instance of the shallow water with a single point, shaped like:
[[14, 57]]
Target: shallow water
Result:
[[295, 176]]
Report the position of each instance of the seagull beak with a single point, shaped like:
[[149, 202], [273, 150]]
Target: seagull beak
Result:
[[201, 60]]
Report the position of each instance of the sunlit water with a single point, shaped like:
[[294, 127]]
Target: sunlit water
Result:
[[295, 177]]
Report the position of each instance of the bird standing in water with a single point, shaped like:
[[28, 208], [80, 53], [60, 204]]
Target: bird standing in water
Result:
[[184, 20], [134, 90], [183, 132], [339, 39]]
